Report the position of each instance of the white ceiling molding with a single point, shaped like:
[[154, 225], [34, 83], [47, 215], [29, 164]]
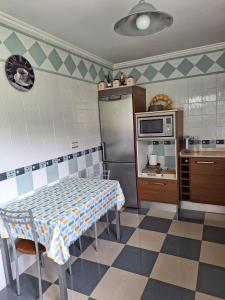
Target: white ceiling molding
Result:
[[44, 36], [167, 56]]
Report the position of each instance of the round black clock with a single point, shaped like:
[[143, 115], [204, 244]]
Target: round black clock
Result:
[[19, 72]]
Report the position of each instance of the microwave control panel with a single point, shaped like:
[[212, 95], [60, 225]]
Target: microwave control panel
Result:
[[169, 126]]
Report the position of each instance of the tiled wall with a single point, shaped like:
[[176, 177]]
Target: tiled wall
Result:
[[195, 83], [26, 179], [38, 127], [165, 151], [41, 124], [203, 101]]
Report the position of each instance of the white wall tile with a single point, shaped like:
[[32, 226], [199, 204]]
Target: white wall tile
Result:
[[41, 124], [209, 94], [39, 178], [202, 99], [95, 156], [209, 81], [63, 168], [8, 190], [220, 107], [209, 108], [220, 120], [81, 163]]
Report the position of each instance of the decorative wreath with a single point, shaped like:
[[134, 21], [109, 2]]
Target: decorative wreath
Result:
[[162, 98]]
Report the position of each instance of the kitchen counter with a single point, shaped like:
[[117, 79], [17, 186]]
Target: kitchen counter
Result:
[[207, 152]]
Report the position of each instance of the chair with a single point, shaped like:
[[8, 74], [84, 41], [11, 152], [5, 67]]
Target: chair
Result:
[[105, 174], [30, 247], [23, 217]]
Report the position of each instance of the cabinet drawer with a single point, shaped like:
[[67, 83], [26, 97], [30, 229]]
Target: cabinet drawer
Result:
[[158, 190], [208, 189], [208, 165]]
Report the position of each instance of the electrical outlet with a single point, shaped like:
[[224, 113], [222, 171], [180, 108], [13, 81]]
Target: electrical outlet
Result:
[[74, 145]]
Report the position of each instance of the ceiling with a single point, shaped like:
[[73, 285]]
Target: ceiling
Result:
[[88, 24]]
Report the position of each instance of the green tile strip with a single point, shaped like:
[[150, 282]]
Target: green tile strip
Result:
[[212, 62], [50, 58], [52, 162], [37, 54]]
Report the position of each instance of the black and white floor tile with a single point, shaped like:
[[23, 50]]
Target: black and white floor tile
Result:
[[157, 258]]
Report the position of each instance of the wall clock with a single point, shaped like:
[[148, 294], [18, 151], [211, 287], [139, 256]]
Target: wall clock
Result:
[[19, 72]]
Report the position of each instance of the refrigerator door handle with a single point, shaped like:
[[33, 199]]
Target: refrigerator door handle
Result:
[[103, 151]]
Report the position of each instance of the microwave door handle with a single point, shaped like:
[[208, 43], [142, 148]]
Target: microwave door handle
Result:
[[138, 128]]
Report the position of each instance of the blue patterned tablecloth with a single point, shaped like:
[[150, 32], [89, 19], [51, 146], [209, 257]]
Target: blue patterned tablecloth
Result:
[[64, 211]]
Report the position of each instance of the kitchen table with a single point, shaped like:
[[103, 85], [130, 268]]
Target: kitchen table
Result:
[[62, 213]]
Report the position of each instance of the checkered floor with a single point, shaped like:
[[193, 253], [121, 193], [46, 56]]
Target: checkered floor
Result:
[[158, 258]]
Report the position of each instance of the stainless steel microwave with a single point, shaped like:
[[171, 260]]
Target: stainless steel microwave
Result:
[[155, 126]]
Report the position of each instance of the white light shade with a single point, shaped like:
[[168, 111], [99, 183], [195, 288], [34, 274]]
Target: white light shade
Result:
[[143, 22]]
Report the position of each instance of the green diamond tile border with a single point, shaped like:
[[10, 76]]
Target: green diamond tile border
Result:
[[101, 74], [221, 61], [135, 74], [93, 72], [150, 72], [70, 65], [117, 75], [167, 70], [37, 54], [82, 68], [55, 59], [43, 51], [204, 63], [14, 44], [185, 67]]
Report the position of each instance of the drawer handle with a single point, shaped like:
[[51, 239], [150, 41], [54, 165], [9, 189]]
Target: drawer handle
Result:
[[205, 162], [159, 183]]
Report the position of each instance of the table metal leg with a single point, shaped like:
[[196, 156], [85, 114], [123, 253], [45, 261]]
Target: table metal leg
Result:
[[118, 224], [7, 263], [62, 282], [96, 237]]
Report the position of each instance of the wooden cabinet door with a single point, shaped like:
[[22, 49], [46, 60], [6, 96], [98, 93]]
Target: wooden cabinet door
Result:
[[208, 180]]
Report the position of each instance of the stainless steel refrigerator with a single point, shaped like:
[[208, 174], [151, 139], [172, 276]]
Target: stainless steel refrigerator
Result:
[[117, 134]]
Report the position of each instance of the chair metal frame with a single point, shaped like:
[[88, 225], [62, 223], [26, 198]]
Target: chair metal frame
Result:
[[104, 175], [22, 217]]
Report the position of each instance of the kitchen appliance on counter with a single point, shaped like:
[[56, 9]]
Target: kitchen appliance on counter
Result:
[[116, 113], [187, 140]]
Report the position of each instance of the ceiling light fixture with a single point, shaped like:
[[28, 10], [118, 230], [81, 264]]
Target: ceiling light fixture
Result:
[[143, 19]]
